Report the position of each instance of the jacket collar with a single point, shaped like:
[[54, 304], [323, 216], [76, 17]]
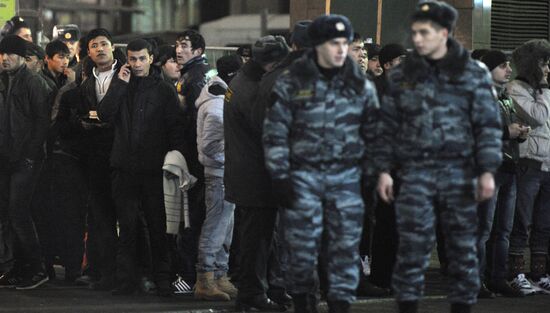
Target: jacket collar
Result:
[[451, 66], [253, 70], [192, 62], [306, 70]]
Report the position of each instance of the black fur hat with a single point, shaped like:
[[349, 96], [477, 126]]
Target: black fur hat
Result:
[[269, 49], [436, 11], [327, 27], [527, 58]]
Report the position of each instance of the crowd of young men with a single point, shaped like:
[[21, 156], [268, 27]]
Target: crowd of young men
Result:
[[158, 160]]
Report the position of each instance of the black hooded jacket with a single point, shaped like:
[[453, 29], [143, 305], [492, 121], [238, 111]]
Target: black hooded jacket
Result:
[[147, 119], [24, 114]]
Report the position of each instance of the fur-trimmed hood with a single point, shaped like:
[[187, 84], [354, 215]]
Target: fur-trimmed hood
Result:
[[306, 71], [415, 67], [526, 60]]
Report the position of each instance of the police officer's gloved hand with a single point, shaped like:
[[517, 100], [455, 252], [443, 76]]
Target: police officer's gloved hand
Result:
[[283, 192]]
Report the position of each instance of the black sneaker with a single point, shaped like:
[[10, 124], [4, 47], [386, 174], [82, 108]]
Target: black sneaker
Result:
[[503, 287], [32, 282], [9, 280], [485, 293]]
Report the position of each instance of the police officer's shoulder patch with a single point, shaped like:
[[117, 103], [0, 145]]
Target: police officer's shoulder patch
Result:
[[228, 95]]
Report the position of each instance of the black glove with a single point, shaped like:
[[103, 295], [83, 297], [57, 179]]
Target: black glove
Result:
[[283, 193]]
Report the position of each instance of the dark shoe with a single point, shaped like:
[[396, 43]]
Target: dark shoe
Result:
[[124, 290], [485, 293], [104, 284], [338, 306], [368, 289], [460, 308], [304, 303], [258, 305], [33, 281], [280, 297], [10, 279], [502, 287], [408, 306]]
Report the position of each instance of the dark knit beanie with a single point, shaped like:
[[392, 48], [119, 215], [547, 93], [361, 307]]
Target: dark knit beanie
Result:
[[13, 44], [299, 35], [390, 52], [373, 50], [327, 27], [36, 50], [269, 49], [494, 58], [477, 54], [436, 11], [228, 66]]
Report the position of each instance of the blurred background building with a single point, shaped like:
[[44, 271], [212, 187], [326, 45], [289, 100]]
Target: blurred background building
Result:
[[502, 24]]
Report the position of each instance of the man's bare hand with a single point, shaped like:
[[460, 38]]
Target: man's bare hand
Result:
[[485, 187], [69, 72], [125, 73], [385, 187]]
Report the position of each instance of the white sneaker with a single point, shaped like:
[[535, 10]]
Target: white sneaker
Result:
[[543, 285], [522, 284], [181, 286]]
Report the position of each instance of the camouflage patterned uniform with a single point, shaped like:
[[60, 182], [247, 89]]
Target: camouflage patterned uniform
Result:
[[440, 126], [315, 134]]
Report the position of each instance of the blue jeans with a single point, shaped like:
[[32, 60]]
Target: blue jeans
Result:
[[217, 229], [496, 217], [529, 217]]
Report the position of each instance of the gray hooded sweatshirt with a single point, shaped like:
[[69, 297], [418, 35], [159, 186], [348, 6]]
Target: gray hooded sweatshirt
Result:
[[210, 140]]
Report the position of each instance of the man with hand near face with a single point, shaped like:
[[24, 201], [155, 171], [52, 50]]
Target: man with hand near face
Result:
[[314, 139], [148, 124], [57, 72], [439, 128]]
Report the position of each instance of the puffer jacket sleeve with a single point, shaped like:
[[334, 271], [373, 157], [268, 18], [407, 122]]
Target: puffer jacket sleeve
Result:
[[212, 141], [276, 132], [387, 127], [486, 125], [40, 96], [533, 107]]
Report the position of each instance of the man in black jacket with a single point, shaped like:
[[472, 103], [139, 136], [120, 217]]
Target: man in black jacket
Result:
[[148, 124], [246, 180], [91, 140], [190, 47], [25, 117]]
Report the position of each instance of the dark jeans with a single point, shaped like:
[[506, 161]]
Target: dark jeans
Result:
[[17, 184], [102, 235], [256, 230], [502, 207], [531, 218], [60, 208], [135, 192], [187, 241]]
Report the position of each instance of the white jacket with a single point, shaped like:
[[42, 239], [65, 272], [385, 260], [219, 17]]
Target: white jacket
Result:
[[177, 180]]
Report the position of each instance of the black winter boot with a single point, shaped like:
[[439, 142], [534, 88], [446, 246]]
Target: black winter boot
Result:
[[304, 303], [338, 306], [408, 306], [460, 308]]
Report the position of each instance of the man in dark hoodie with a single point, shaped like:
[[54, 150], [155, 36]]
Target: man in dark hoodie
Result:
[[439, 126], [245, 176], [25, 118], [148, 124]]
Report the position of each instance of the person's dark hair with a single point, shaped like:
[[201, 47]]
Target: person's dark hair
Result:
[[357, 37], [477, 54], [94, 33], [196, 39], [14, 25], [166, 53], [120, 55], [140, 44], [87, 66], [527, 58], [56, 47]]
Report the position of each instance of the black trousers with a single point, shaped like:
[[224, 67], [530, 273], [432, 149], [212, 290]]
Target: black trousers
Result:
[[102, 234], [257, 226], [60, 210], [17, 184], [136, 194]]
